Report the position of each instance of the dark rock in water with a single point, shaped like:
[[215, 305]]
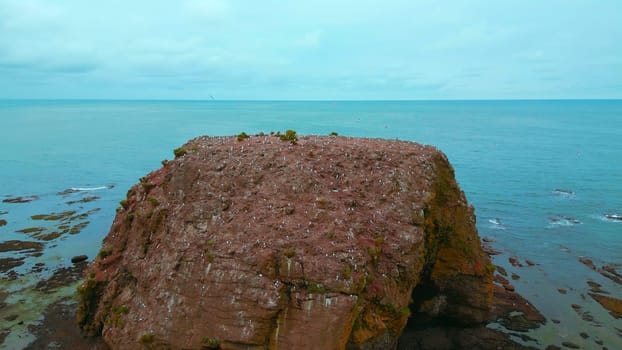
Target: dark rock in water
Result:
[[514, 312], [54, 216], [530, 263], [509, 287], [15, 245], [83, 200], [614, 217], [613, 305], [501, 280], [596, 287], [3, 212], [490, 250], [553, 347], [608, 270], [67, 191], [61, 278], [515, 261], [285, 240], [24, 199], [2, 222], [562, 291], [7, 264], [79, 258], [584, 335], [564, 220], [588, 262], [570, 345]]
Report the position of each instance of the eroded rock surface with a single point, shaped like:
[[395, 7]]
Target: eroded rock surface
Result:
[[324, 244]]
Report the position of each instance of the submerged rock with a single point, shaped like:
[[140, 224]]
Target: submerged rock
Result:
[[329, 243], [24, 199]]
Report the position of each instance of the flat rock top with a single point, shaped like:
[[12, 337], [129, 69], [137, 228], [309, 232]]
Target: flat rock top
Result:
[[323, 197]]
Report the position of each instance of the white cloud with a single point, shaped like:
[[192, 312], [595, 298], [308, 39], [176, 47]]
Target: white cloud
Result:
[[212, 10], [309, 40]]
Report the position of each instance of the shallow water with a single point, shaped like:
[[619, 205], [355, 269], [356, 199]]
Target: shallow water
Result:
[[540, 174]]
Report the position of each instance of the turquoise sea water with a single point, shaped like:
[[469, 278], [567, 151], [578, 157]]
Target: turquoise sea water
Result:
[[511, 158]]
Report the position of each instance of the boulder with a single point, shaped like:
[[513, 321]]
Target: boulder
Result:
[[322, 243]]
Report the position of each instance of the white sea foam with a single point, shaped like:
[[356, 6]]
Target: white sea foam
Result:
[[561, 193], [90, 188], [561, 220], [496, 224]]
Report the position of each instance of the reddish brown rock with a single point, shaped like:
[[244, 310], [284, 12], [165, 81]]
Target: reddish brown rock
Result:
[[322, 244], [613, 305], [515, 261]]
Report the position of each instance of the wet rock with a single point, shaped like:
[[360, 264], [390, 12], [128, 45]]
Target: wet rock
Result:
[[564, 220], [570, 345], [452, 338], [515, 261], [596, 287], [24, 199], [509, 287], [11, 318], [585, 315], [79, 258], [515, 277], [2, 222], [501, 280], [555, 321], [54, 216], [58, 330], [501, 270], [83, 200], [529, 262], [609, 270], [38, 267], [7, 264], [613, 305], [584, 335], [562, 291], [490, 250], [375, 225], [62, 277], [15, 245], [514, 312], [67, 191], [614, 217], [553, 347]]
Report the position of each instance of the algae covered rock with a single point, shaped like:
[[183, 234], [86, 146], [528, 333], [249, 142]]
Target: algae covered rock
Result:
[[325, 243]]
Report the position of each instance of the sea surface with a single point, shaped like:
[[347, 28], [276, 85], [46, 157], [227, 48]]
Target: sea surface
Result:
[[542, 176]]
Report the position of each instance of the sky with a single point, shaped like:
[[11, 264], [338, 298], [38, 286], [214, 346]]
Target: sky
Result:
[[310, 50]]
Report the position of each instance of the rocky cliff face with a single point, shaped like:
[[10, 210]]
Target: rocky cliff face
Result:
[[330, 243]]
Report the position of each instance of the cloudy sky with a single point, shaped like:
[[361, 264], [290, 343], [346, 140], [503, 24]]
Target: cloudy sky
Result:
[[315, 49]]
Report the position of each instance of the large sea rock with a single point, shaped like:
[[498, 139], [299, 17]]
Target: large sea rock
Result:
[[327, 243]]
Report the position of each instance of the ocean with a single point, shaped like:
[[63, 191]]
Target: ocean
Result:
[[545, 178]]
